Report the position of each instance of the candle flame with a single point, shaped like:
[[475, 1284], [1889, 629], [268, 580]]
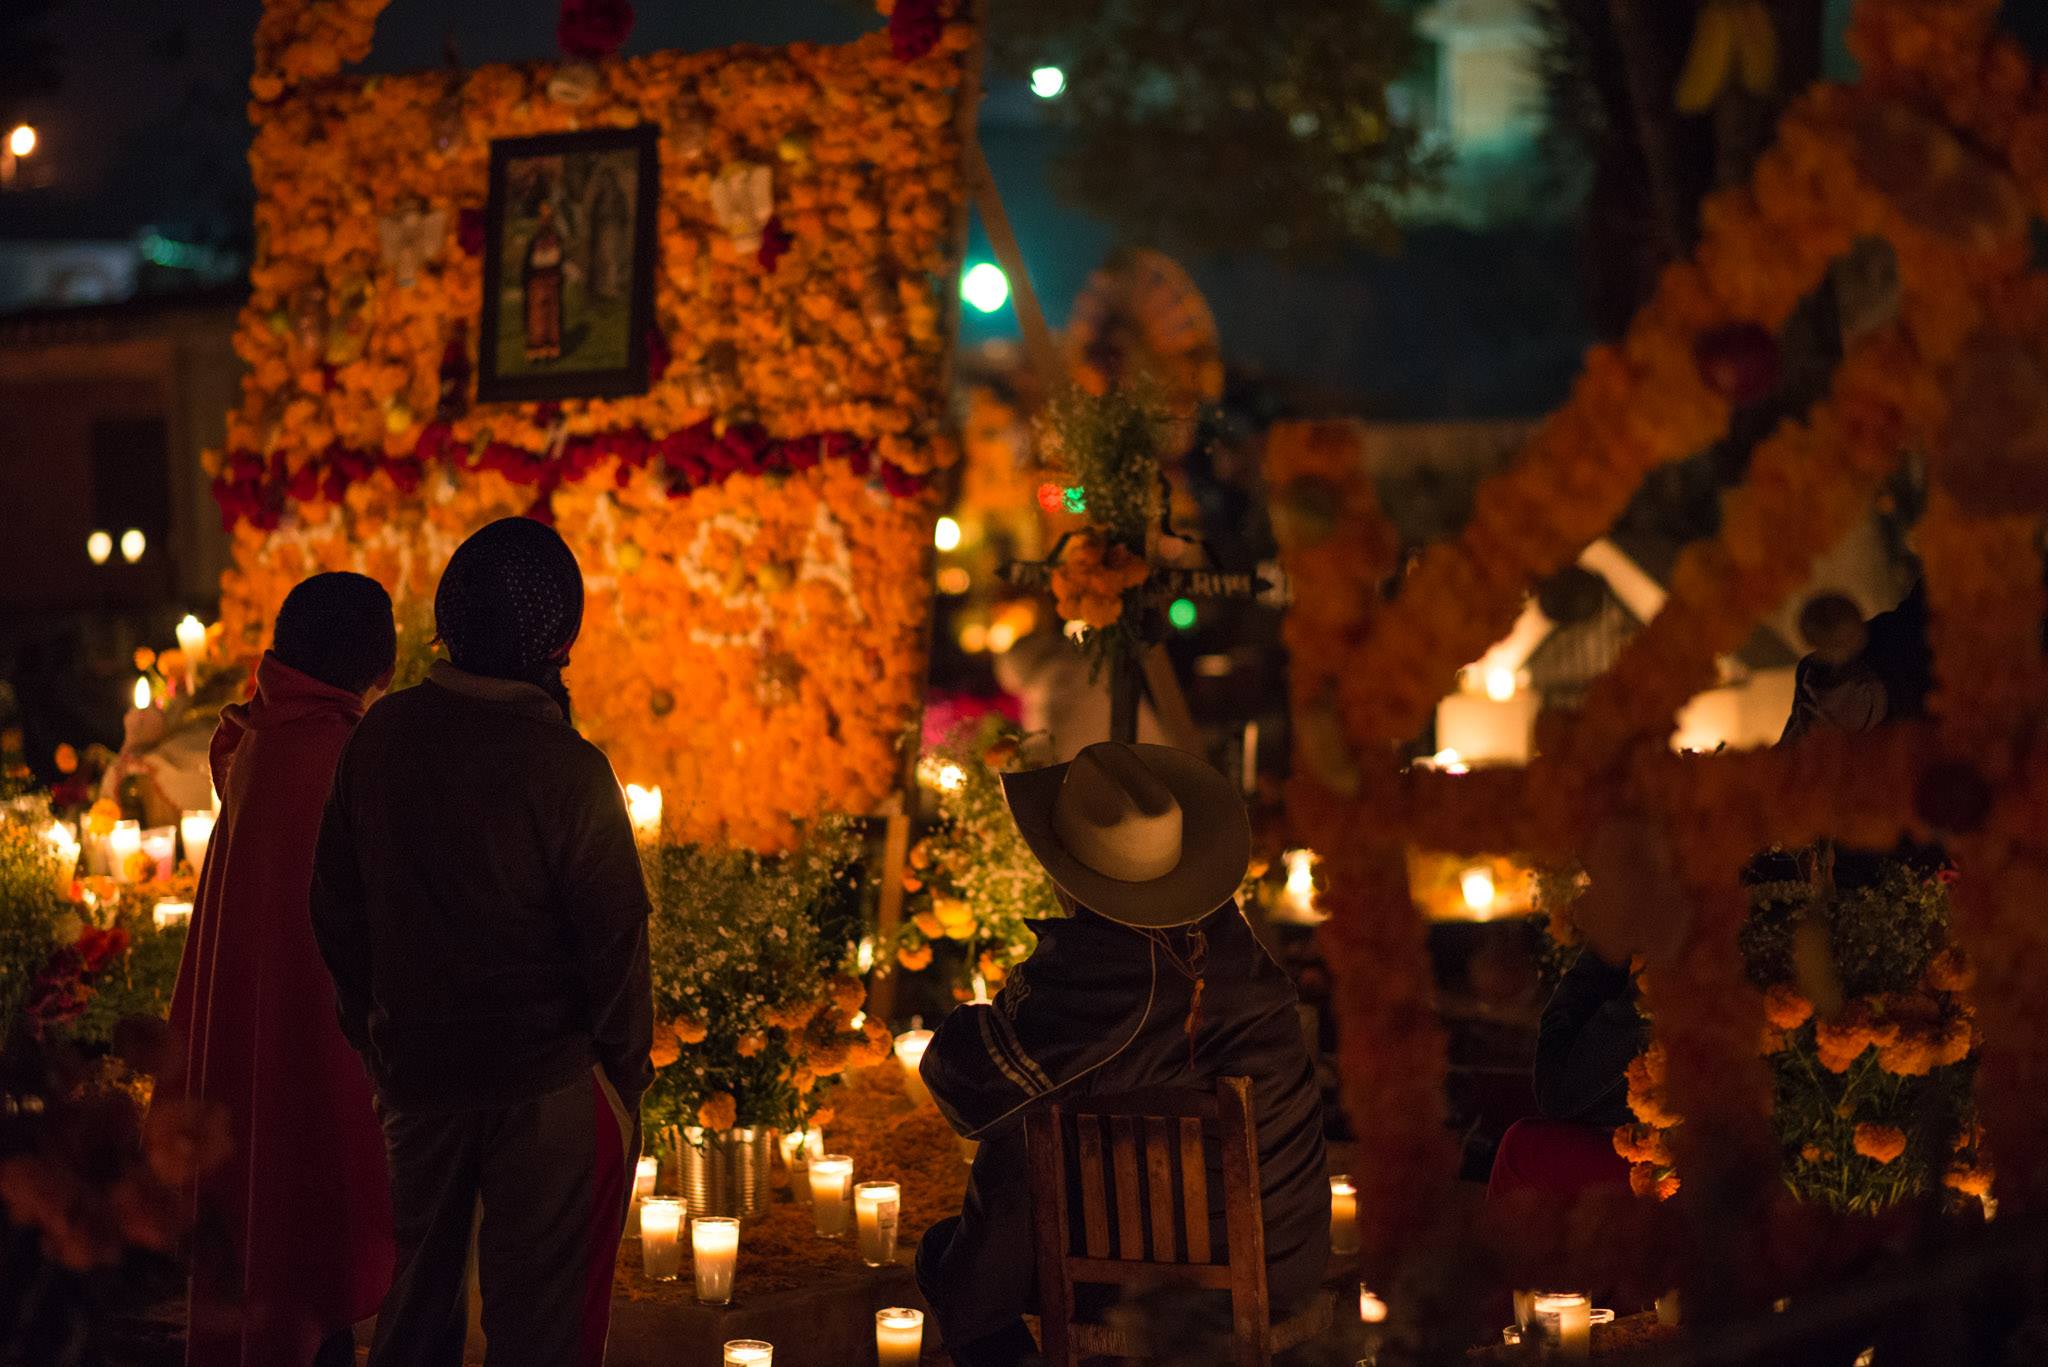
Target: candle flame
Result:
[[142, 696], [1476, 885]]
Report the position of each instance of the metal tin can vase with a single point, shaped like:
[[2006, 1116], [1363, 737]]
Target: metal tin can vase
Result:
[[725, 1172]]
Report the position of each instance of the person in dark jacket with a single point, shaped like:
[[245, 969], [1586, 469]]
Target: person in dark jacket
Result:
[[1153, 980], [478, 899]]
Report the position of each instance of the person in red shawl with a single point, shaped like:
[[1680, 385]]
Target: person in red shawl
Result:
[[305, 1199]]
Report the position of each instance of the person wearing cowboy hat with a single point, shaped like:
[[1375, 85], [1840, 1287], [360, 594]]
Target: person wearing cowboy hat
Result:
[[1154, 979]]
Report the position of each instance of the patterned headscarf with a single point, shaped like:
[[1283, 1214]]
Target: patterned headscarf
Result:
[[510, 602]]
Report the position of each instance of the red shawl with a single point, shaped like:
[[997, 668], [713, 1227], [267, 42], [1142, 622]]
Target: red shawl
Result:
[[305, 1199]]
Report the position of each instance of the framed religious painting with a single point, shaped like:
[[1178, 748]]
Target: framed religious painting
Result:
[[568, 266]]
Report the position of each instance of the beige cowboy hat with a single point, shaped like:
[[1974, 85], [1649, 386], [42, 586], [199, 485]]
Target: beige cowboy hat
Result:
[[1143, 834]]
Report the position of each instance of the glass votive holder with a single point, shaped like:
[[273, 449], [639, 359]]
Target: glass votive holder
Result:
[[798, 1148], [123, 842], [899, 1336], [644, 1173], [160, 846], [832, 1194], [749, 1353], [1343, 1215], [195, 829], [714, 1250], [661, 1228], [876, 1206], [1565, 1320], [910, 1047]]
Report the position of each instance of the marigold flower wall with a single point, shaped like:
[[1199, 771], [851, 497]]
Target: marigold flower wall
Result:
[[752, 527], [1941, 149]]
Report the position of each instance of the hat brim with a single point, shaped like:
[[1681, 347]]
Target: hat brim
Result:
[[1215, 843]]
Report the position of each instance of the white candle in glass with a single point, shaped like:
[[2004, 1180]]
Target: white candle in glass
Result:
[[1566, 1319], [191, 644], [160, 844], [910, 1047], [876, 1206], [661, 1227], [899, 1336], [714, 1249], [832, 1194], [124, 841], [749, 1353], [1343, 1215], [644, 1173], [168, 913], [797, 1147], [197, 829], [64, 849]]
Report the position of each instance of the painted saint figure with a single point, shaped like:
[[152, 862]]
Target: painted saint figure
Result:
[[541, 288]]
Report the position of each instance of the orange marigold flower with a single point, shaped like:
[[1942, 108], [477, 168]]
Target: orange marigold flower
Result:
[[1642, 1144], [848, 995], [915, 960], [1880, 1143], [1646, 1090], [1911, 1055], [1951, 971], [1667, 1186], [1969, 1179], [100, 820], [144, 657], [1786, 1008], [664, 1050], [67, 759], [719, 1111], [689, 1031], [929, 925], [750, 1044]]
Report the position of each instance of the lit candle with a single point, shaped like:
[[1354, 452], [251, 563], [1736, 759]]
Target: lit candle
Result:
[[661, 1224], [832, 1194], [644, 1173], [191, 641], [875, 1209], [1567, 1321], [160, 844], [1343, 1215], [899, 1336], [197, 828], [1371, 1309], [141, 696], [643, 808], [797, 1146], [122, 842], [910, 1047], [749, 1353], [715, 1248], [64, 850], [1298, 896], [169, 913]]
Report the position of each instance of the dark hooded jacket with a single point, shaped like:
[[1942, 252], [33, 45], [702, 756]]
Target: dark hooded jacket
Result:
[[1102, 1009], [477, 896]]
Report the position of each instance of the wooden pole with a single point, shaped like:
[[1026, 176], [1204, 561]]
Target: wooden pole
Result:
[[1039, 349]]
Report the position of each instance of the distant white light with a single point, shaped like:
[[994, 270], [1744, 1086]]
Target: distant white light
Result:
[[98, 547], [985, 287], [946, 534], [1477, 887], [133, 544], [1047, 82], [22, 140], [1500, 683]]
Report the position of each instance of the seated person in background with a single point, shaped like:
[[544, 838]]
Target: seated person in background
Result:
[[304, 1199], [1154, 980], [1880, 671]]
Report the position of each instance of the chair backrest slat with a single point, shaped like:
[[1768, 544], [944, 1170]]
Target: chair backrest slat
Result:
[[1094, 1199], [1160, 1187], [1194, 1186], [1130, 1221], [1177, 1126]]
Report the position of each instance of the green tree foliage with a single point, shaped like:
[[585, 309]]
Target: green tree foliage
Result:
[[1215, 124]]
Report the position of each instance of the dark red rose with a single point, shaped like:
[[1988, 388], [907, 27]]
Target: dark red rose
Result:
[[469, 232], [658, 355], [775, 240], [915, 27], [1740, 362], [590, 30]]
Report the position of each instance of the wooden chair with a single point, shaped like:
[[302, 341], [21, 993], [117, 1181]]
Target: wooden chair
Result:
[[1161, 1217]]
